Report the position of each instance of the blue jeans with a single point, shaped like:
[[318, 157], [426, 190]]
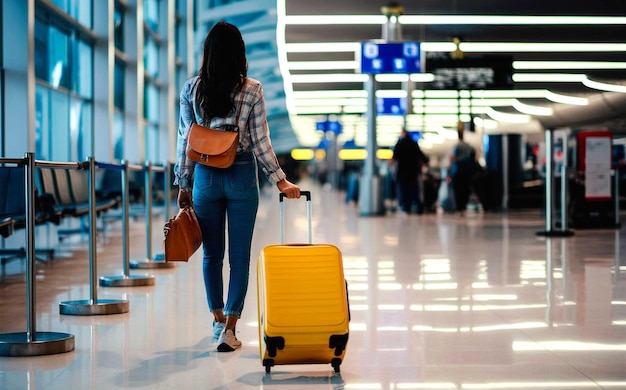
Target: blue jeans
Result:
[[227, 198]]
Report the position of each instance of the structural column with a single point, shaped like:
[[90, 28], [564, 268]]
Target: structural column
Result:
[[18, 76], [104, 82]]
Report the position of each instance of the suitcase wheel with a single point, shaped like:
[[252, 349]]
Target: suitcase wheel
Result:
[[336, 362], [268, 363]]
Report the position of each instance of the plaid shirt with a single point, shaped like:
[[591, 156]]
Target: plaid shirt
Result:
[[253, 130]]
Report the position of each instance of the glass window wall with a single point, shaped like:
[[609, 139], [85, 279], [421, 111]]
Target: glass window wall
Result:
[[119, 85], [151, 57], [118, 135], [80, 10], [151, 99], [64, 91], [151, 14], [152, 143], [119, 26], [64, 63]]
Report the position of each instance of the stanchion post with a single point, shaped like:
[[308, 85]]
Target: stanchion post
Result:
[[166, 202], [549, 180], [32, 342], [148, 206], [126, 280], [618, 223], [166, 191], [617, 263], [149, 261], [93, 306], [564, 190]]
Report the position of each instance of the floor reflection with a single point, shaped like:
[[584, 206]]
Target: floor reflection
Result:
[[437, 301]]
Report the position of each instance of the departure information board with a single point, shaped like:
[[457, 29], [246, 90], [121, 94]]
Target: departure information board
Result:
[[471, 71]]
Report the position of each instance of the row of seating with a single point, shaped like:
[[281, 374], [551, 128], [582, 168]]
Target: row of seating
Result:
[[70, 192], [60, 193]]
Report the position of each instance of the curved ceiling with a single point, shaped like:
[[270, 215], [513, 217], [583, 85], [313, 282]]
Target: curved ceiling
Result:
[[556, 49]]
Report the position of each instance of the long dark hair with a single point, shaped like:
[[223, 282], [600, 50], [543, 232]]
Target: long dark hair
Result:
[[224, 69]]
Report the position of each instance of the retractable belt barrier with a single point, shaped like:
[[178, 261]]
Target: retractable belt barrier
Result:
[[93, 305], [157, 261], [126, 279], [33, 342]]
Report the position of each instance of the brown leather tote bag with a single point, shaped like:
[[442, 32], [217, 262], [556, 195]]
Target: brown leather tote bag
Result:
[[182, 235]]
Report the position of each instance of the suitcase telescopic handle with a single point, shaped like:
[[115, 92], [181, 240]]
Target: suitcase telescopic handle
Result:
[[307, 194], [281, 197]]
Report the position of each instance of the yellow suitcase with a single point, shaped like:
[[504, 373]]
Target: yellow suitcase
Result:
[[302, 302]]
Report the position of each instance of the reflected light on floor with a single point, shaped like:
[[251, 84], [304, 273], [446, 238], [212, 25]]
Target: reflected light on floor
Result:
[[495, 297], [516, 326], [566, 346], [474, 308], [487, 386], [540, 385], [390, 286], [364, 386], [390, 307], [434, 286]]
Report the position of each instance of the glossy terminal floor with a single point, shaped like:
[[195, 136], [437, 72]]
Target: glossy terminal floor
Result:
[[437, 301]]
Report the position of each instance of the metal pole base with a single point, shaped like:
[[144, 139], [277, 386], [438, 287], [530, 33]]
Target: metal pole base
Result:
[[556, 233], [371, 196], [126, 281], [91, 307], [147, 263], [43, 343]]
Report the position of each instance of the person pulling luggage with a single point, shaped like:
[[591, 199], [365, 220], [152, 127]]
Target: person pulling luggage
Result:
[[226, 196]]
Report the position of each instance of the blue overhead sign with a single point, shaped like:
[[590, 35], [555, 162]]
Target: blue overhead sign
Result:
[[390, 57], [328, 125], [390, 106]]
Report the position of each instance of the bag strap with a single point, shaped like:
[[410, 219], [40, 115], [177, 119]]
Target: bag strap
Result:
[[239, 111]]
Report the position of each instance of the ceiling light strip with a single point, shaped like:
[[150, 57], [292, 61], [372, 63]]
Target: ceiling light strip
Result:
[[513, 93], [519, 65], [311, 20], [454, 20], [483, 97], [512, 20], [506, 117], [604, 86], [548, 78], [322, 47], [560, 98], [323, 65], [426, 77], [538, 65], [509, 47], [541, 47], [531, 110]]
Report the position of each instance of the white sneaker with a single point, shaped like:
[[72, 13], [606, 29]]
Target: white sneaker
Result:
[[227, 341]]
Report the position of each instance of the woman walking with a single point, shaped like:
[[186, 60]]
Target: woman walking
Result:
[[226, 199]]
